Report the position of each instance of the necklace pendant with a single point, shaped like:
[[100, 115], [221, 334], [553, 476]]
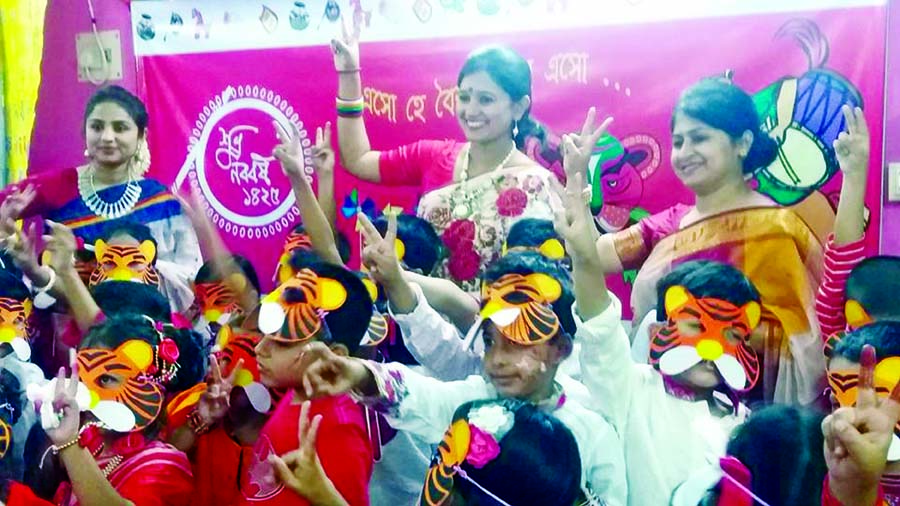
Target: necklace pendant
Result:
[[461, 211]]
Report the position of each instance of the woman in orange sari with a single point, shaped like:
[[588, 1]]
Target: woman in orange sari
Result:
[[717, 143]]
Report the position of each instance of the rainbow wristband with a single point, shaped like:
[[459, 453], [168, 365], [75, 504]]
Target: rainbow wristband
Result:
[[350, 108]]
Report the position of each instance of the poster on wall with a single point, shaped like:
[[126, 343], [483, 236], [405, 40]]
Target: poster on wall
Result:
[[215, 76]]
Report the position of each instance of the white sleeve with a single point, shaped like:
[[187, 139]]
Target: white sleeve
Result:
[[606, 366], [178, 259], [418, 404], [436, 343]]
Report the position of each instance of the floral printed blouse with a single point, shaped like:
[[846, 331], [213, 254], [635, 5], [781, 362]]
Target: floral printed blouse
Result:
[[472, 217]]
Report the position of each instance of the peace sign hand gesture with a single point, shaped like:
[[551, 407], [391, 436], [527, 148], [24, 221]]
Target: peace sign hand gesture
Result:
[[322, 152], [289, 152], [857, 439], [577, 148], [573, 222], [65, 404], [214, 403], [346, 49], [852, 146], [301, 470], [379, 254]]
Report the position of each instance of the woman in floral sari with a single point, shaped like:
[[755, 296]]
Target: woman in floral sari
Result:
[[471, 192], [717, 143]]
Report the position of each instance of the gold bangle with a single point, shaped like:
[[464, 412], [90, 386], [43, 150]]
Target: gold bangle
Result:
[[57, 449]]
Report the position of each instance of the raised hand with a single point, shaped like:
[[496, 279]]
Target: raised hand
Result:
[[64, 402], [379, 254], [346, 49], [22, 250], [574, 222], [577, 148], [301, 470], [322, 152], [62, 245], [857, 439], [10, 211], [289, 152], [214, 403], [853, 145], [16, 202]]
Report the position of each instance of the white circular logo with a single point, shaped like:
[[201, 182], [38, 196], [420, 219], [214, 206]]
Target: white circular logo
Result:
[[230, 163]]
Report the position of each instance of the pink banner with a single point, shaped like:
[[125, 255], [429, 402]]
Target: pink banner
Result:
[[211, 113]]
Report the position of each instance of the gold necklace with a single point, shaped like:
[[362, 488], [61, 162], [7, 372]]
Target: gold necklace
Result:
[[463, 207], [111, 465]]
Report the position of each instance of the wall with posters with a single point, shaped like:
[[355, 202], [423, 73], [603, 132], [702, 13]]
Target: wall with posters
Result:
[[216, 76]]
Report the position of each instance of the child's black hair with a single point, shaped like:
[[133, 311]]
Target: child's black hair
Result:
[[873, 283], [782, 448], [531, 233], [126, 297], [138, 231], [12, 287], [539, 447], [884, 336], [207, 274], [423, 246]]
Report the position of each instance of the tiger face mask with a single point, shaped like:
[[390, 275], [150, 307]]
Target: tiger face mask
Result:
[[217, 302], [118, 384], [294, 312], [844, 383], [521, 308], [295, 241], [125, 263], [707, 329], [14, 329]]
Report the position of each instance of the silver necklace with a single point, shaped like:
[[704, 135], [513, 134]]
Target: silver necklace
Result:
[[464, 208], [109, 210]]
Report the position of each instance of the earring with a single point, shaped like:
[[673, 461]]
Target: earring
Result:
[[86, 153], [515, 130]]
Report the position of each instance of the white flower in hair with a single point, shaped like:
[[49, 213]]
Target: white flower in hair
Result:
[[494, 419]]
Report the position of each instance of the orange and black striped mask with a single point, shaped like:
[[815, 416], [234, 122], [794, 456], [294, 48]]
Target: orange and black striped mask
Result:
[[521, 307], [125, 263]]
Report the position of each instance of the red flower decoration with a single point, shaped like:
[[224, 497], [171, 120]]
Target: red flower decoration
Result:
[[512, 202], [168, 350], [460, 234], [464, 264]]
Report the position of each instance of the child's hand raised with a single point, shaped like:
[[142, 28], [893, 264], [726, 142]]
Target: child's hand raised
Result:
[[214, 403], [301, 470], [322, 152], [852, 146], [857, 439], [289, 153], [62, 245], [574, 222], [379, 254]]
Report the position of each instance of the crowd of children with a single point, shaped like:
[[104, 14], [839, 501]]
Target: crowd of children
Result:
[[401, 384]]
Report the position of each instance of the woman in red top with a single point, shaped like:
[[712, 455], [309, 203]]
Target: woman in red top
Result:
[[472, 191]]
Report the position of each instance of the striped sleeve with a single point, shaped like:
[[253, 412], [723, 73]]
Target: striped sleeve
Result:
[[839, 261]]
